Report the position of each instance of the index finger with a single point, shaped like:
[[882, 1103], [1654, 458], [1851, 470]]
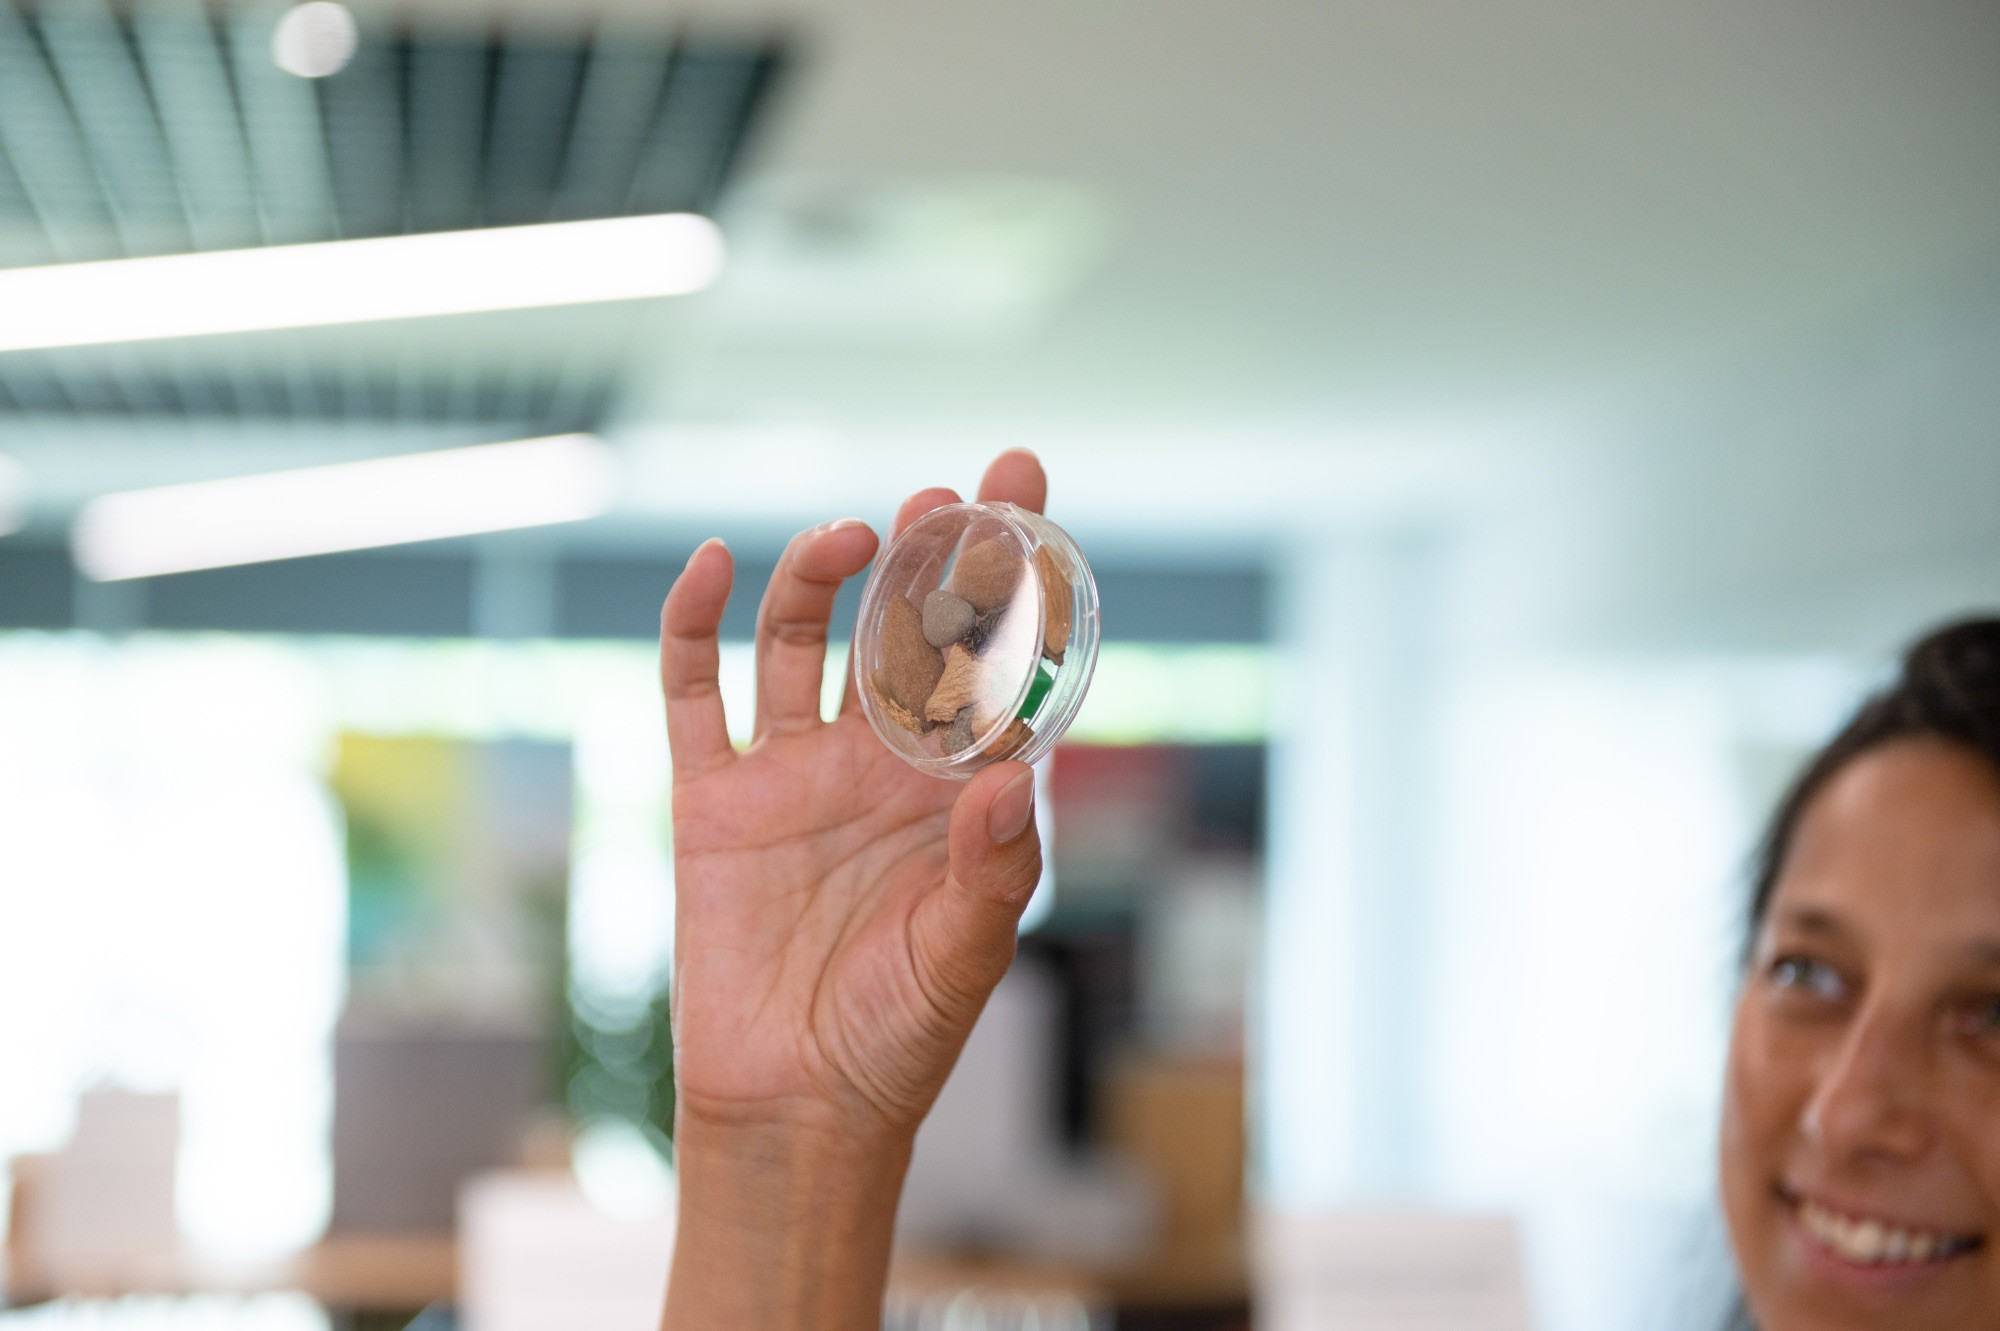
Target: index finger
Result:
[[690, 661], [920, 503]]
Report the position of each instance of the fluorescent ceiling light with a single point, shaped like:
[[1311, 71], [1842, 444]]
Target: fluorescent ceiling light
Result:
[[349, 506], [13, 495], [357, 281], [315, 40]]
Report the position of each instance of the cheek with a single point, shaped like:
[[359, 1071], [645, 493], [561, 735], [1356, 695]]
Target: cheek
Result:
[[1968, 1105], [1770, 1072], [1764, 1091], [1752, 1145]]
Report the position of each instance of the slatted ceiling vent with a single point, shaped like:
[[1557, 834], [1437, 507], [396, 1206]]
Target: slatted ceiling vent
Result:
[[166, 127]]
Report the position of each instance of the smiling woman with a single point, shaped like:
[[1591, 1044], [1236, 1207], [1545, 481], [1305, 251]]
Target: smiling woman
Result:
[[1860, 1171]]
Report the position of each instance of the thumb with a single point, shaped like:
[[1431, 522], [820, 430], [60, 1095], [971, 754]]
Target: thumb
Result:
[[995, 862], [996, 849]]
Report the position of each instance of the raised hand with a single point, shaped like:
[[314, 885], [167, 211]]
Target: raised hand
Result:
[[841, 920]]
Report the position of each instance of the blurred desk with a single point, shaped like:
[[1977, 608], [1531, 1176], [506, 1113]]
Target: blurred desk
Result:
[[1181, 1119], [374, 1274], [1200, 1274], [378, 1272]]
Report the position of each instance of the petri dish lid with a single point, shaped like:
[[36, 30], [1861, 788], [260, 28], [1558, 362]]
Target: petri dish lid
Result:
[[977, 638]]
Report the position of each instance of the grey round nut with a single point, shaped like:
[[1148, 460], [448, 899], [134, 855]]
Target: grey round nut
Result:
[[959, 737], [948, 617]]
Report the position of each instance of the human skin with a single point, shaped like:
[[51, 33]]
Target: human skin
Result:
[[1863, 1080], [841, 919]]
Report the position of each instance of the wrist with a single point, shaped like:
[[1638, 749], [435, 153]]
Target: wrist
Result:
[[814, 1150], [783, 1224]]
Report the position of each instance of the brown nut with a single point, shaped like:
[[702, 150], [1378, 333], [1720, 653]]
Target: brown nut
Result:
[[894, 710], [1055, 603], [910, 665], [987, 575], [959, 737], [1008, 742]]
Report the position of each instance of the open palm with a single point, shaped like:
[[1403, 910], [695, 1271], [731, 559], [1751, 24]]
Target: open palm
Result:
[[842, 917]]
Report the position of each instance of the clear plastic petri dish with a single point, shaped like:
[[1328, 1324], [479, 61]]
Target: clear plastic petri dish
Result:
[[976, 639]]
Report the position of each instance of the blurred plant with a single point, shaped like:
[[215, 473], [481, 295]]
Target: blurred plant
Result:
[[620, 1064]]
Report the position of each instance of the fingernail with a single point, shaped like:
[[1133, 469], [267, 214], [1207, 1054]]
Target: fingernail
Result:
[[716, 541], [1007, 817]]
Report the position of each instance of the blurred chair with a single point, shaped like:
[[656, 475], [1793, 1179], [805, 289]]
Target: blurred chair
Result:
[[989, 1307], [535, 1255], [1389, 1271], [97, 1216], [1181, 1120], [990, 1174], [417, 1111]]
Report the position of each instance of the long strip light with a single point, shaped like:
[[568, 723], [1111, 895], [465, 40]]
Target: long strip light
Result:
[[13, 495], [357, 281], [347, 506]]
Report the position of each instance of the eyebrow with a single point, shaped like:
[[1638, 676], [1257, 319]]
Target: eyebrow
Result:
[[1824, 923], [1814, 920]]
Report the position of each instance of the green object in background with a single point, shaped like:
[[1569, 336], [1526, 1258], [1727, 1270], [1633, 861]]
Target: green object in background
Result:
[[621, 1065], [1037, 690]]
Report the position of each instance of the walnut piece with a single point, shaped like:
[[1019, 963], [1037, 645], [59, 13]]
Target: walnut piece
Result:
[[958, 686]]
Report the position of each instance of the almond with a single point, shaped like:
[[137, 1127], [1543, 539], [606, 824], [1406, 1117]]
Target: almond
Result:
[[894, 710], [910, 665], [987, 575], [1055, 603]]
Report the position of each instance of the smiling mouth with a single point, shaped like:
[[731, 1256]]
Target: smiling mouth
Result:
[[1871, 1241]]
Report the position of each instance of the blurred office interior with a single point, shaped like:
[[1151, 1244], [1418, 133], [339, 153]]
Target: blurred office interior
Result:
[[1506, 438]]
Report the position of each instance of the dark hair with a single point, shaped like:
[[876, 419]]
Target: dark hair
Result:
[[1948, 688]]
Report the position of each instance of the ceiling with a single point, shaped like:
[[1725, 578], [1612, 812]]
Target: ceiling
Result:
[[1692, 311], [1598, 268], [1358, 210], [164, 127]]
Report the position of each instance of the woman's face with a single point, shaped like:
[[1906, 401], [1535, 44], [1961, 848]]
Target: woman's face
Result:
[[1861, 1123]]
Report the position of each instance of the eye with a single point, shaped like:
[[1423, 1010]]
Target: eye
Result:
[[1808, 977], [1981, 1016]]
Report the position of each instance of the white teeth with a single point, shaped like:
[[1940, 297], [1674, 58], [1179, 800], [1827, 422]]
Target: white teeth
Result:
[[1872, 1243]]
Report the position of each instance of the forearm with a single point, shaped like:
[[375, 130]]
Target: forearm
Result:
[[782, 1228]]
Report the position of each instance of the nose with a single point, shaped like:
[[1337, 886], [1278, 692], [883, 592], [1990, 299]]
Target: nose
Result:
[[1871, 1099]]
